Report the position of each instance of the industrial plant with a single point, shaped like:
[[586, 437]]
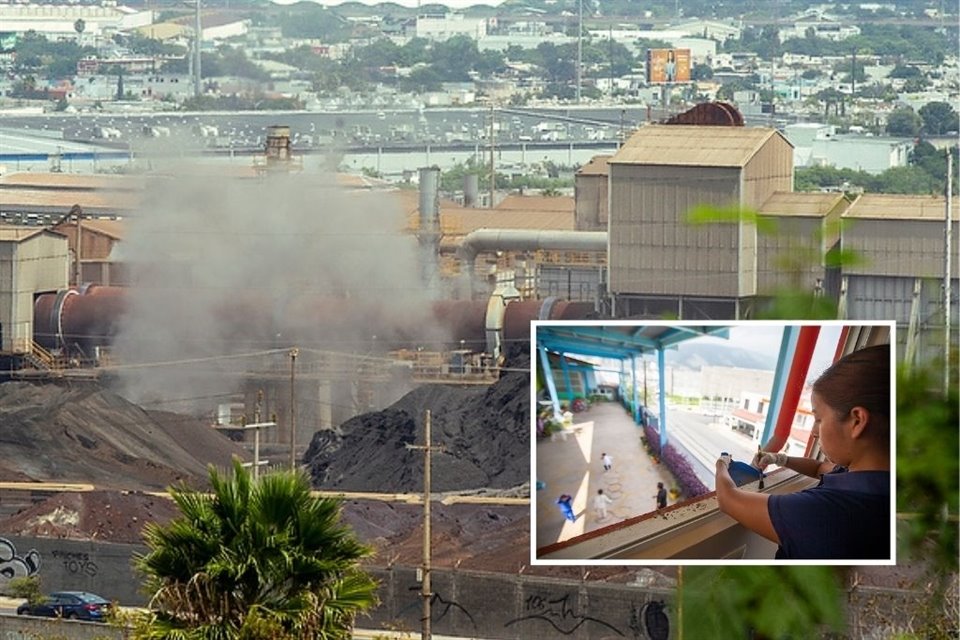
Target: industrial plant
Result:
[[380, 291]]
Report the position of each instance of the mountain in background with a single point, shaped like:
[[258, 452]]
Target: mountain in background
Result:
[[695, 356]]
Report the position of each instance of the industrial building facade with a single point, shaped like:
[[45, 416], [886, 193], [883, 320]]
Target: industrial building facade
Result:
[[658, 253], [703, 223]]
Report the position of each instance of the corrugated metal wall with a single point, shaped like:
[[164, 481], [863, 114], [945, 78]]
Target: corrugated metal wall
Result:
[[654, 249], [791, 256], [768, 171], [36, 264], [896, 247], [590, 199], [890, 298], [581, 284]]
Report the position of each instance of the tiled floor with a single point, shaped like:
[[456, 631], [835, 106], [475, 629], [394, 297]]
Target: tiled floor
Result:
[[573, 466]]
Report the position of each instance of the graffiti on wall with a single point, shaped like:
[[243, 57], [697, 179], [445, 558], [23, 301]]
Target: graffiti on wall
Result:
[[650, 621], [77, 562], [558, 613], [17, 566], [440, 607]]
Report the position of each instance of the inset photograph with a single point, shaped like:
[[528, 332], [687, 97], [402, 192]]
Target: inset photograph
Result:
[[751, 442]]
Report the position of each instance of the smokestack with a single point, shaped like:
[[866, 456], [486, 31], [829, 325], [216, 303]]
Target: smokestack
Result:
[[471, 189], [278, 145], [429, 233]]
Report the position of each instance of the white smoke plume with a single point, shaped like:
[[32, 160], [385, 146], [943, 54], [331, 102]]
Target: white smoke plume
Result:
[[223, 266]]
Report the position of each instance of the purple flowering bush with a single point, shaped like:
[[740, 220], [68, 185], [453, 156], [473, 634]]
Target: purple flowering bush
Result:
[[679, 466]]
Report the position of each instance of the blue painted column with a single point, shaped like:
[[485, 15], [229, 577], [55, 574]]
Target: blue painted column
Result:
[[551, 385], [788, 347], [661, 370], [568, 390], [636, 394], [623, 386]]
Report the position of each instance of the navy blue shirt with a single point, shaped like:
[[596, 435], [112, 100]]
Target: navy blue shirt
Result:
[[845, 517]]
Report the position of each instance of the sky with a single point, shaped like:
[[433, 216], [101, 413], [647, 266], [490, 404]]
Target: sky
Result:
[[452, 4], [766, 339]]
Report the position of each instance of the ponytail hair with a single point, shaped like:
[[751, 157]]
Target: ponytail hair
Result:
[[860, 379]]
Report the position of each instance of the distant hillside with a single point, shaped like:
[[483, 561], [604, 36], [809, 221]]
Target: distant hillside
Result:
[[695, 356]]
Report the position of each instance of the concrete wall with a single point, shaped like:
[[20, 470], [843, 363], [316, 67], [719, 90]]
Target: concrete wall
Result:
[[497, 606], [467, 604], [25, 628], [72, 565]]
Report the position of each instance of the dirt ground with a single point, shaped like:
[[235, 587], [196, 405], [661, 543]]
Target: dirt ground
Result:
[[86, 434], [90, 435]]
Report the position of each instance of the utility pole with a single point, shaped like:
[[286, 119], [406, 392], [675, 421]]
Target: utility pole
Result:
[[579, 47], [198, 36], [493, 172], [948, 268], [425, 591], [77, 212], [293, 411]]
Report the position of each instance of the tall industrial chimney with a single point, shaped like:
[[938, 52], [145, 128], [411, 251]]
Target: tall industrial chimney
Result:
[[471, 189], [429, 232], [278, 145]]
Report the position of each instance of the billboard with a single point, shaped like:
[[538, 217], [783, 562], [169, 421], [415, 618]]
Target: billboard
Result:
[[667, 66]]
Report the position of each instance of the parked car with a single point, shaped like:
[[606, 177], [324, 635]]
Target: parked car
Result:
[[73, 605]]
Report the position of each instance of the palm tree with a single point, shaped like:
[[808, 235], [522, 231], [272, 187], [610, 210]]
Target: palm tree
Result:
[[253, 559]]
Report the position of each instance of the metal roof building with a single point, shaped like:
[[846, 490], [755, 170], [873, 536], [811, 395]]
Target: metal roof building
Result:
[[898, 274], [795, 231], [590, 194], [31, 260], [659, 260]]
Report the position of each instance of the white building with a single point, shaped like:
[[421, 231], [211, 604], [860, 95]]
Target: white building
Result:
[[57, 22], [710, 29], [860, 153], [439, 28], [750, 417], [820, 27]]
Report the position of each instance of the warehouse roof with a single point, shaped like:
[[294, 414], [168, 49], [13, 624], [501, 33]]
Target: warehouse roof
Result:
[[56, 200], [115, 229], [515, 212], [900, 207], [598, 166], [90, 181], [801, 204], [9, 233], [694, 145]]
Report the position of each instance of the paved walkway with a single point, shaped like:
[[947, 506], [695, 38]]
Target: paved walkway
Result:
[[573, 466]]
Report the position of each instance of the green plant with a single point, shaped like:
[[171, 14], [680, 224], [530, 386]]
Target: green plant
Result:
[[254, 559], [27, 588]]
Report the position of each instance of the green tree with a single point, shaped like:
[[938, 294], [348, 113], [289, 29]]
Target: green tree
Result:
[[938, 118], [253, 559], [904, 122], [701, 72]]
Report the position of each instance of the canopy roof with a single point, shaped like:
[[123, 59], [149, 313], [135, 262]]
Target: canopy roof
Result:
[[620, 341]]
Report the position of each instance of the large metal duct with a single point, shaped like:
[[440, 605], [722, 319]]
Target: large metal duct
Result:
[[526, 240], [83, 318], [90, 317]]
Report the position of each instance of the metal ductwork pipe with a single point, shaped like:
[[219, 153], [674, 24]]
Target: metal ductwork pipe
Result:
[[429, 233], [471, 190], [524, 240], [90, 317]]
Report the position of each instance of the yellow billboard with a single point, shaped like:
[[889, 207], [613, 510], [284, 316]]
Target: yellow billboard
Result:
[[667, 66]]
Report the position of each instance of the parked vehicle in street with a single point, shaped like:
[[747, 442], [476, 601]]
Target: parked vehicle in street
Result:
[[72, 605]]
